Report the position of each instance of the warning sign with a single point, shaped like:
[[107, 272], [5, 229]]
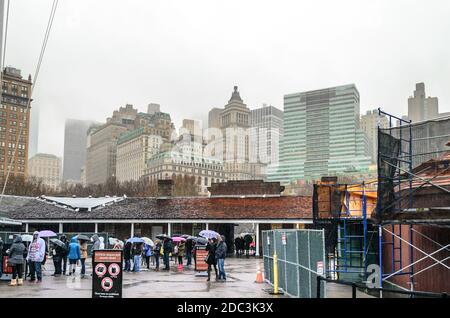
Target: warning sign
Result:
[[107, 274], [283, 238], [320, 268], [200, 256]]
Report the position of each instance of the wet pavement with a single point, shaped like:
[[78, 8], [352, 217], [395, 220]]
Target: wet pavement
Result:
[[241, 274]]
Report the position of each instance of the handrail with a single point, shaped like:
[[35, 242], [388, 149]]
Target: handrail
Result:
[[358, 285]]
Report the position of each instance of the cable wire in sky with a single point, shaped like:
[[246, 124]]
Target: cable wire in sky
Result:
[[36, 74]]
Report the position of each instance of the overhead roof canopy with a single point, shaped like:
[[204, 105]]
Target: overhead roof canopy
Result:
[[82, 203]]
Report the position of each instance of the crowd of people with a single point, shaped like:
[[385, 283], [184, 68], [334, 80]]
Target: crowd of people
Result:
[[244, 245], [27, 258], [181, 253]]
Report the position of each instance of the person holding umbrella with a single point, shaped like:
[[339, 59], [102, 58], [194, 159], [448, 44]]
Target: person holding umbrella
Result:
[[137, 253], [157, 253], [59, 251], [36, 253], [189, 247], [168, 248], [181, 252], [211, 258], [63, 239], [127, 256]]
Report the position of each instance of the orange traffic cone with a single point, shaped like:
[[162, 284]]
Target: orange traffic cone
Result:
[[259, 277]]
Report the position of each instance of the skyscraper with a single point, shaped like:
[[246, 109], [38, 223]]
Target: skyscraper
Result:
[[369, 124], [240, 162], [75, 139], [214, 117], [267, 124], [322, 135], [14, 116], [101, 153], [421, 107]]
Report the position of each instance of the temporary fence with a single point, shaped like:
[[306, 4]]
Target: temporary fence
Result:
[[300, 256]]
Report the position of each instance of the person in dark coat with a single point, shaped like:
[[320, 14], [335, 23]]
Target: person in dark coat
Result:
[[157, 253], [211, 258], [221, 252], [1, 256], [16, 259], [248, 239], [238, 244], [127, 256], [58, 254], [168, 248], [63, 239], [189, 247]]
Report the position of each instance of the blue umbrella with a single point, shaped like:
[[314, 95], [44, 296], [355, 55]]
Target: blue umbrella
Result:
[[135, 240], [209, 234]]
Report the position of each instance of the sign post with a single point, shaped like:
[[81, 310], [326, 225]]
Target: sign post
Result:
[[201, 267], [107, 274]]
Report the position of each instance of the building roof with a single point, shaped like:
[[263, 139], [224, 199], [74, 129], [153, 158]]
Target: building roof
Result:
[[201, 208], [235, 96]]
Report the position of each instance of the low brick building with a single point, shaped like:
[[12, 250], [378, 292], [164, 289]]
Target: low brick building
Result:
[[124, 217]]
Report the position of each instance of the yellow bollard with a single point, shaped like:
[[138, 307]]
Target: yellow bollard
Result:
[[275, 274]]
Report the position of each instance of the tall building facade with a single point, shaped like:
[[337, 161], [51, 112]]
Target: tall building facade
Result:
[[322, 135], [75, 140], [14, 116], [134, 148], [46, 168], [267, 127], [421, 107], [102, 145], [214, 117], [369, 124], [171, 164], [239, 157]]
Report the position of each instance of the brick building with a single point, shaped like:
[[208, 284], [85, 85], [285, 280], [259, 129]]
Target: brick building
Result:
[[14, 115], [123, 217]]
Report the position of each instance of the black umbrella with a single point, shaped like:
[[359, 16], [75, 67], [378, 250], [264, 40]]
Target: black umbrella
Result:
[[82, 237], [163, 237], [201, 240], [57, 242], [185, 236]]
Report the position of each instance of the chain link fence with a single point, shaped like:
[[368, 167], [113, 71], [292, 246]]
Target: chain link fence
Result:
[[301, 257]]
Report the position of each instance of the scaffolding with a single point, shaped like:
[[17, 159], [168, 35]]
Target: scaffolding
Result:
[[347, 208], [397, 184]]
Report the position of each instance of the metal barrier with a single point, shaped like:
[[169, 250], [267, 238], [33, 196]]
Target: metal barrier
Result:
[[376, 289], [300, 257]]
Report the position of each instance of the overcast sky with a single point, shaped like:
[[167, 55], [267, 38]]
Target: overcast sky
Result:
[[188, 55]]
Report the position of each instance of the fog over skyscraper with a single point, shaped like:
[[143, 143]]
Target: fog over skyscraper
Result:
[[75, 138]]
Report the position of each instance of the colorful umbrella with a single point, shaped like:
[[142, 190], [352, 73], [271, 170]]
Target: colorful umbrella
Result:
[[178, 239], [148, 241], [209, 234], [47, 233], [135, 240]]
